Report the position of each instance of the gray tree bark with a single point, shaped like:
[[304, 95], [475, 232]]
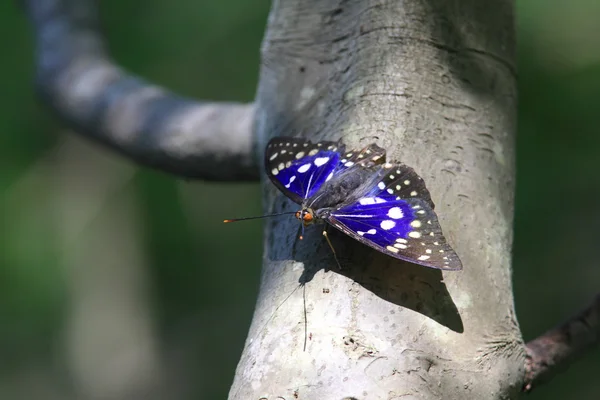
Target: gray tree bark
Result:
[[433, 82]]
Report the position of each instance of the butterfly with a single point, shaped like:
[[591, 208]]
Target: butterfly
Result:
[[383, 205]]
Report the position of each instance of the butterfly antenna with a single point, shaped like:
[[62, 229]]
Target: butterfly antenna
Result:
[[305, 318], [332, 249], [258, 217]]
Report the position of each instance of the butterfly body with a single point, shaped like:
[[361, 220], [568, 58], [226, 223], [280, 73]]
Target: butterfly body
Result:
[[383, 205]]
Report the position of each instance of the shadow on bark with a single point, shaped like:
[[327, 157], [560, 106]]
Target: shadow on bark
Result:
[[408, 285]]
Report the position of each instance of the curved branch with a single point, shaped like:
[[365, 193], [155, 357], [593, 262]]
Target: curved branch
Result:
[[557, 348], [79, 81]]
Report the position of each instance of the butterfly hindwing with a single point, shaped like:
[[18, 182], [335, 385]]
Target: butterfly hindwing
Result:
[[366, 157], [402, 182], [298, 167], [406, 229]]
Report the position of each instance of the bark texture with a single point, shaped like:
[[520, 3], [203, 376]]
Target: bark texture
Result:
[[433, 82]]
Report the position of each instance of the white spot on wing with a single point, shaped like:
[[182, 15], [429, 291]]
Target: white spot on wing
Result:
[[274, 156], [329, 176], [304, 168], [414, 234], [387, 224], [381, 185], [423, 258], [392, 249], [395, 213], [369, 232], [274, 171], [299, 155], [292, 179], [371, 200], [321, 161]]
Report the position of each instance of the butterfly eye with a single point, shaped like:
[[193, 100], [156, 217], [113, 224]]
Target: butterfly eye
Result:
[[298, 215], [307, 217]]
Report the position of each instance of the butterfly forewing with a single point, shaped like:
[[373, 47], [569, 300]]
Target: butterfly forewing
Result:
[[405, 229], [367, 157], [298, 167]]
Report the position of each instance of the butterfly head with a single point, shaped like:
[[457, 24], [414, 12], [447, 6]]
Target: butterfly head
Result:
[[306, 216]]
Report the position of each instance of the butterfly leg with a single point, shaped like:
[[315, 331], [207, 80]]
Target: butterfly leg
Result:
[[332, 249]]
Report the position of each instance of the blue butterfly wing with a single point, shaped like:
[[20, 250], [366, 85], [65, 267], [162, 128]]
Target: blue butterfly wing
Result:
[[299, 168], [397, 218]]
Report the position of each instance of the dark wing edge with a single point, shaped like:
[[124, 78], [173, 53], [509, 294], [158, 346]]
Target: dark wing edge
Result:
[[279, 143], [402, 181], [366, 157]]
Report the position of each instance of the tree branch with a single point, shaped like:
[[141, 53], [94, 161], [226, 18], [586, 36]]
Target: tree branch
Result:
[[146, 123], [557, 348]]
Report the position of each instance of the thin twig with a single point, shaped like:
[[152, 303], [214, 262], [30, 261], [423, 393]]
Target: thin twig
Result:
[[78, 80], [557, 348]]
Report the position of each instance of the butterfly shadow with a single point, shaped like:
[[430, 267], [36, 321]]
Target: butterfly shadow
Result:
[[405, 284]]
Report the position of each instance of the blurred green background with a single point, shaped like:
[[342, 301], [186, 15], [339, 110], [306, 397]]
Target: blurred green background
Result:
[[115, 278]]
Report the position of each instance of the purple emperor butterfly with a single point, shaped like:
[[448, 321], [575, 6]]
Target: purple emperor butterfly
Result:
[[383, 205]]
